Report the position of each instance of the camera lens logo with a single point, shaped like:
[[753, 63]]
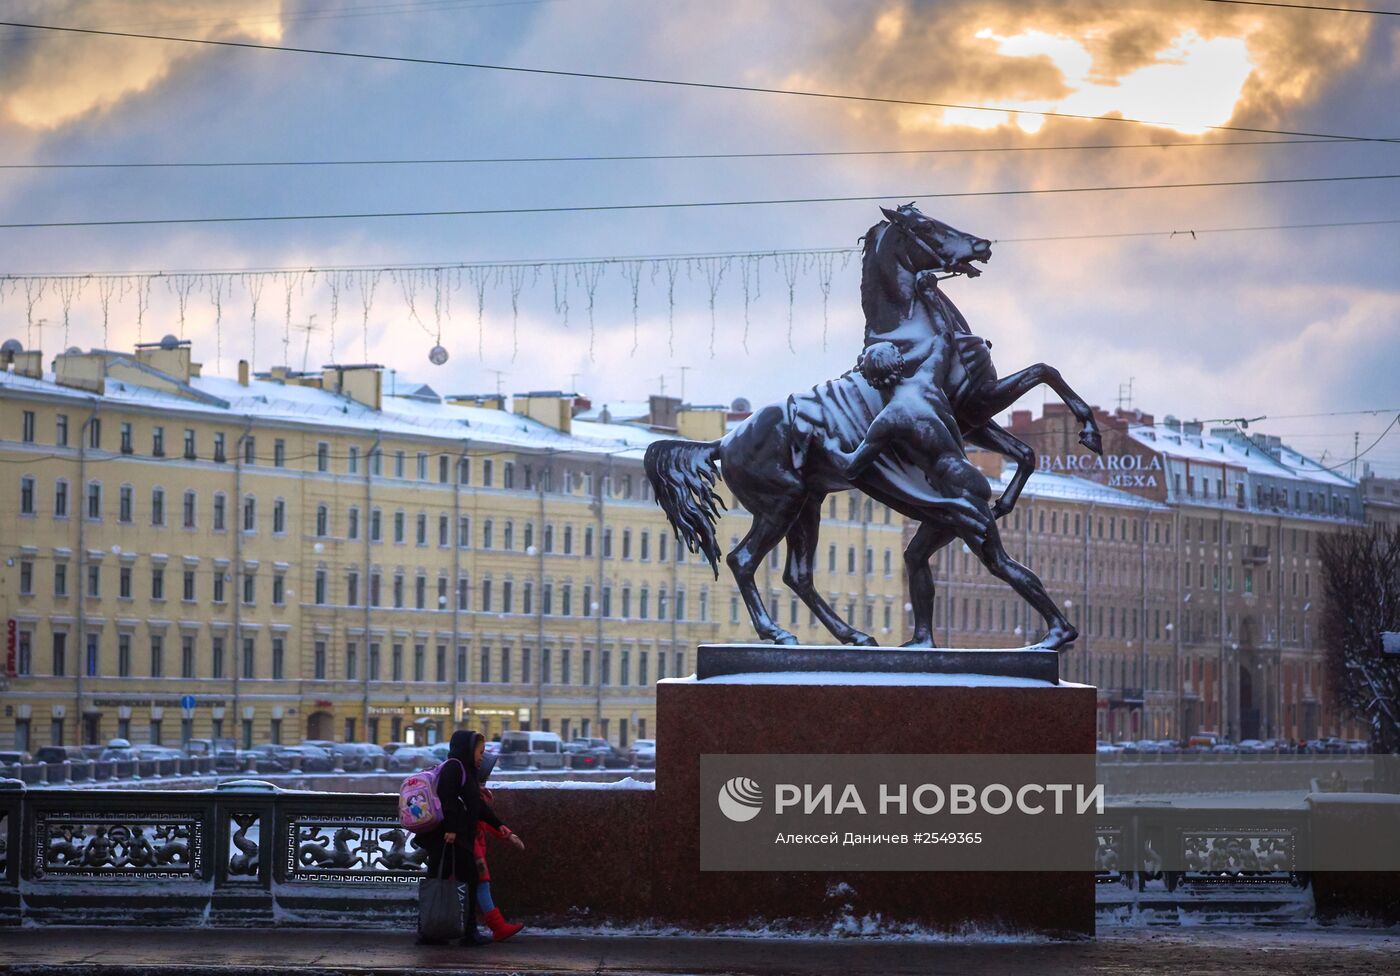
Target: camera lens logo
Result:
[[740, 799]]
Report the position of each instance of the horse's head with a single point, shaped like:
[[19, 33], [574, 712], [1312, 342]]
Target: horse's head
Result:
[[931, 245]]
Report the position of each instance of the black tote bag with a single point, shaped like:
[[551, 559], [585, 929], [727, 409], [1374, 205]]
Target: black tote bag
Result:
[[440, 904]]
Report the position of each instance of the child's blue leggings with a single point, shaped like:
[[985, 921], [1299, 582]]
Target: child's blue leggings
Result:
[[483, 897]]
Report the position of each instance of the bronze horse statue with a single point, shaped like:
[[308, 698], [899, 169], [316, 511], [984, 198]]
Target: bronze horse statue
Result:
[[777, 463]]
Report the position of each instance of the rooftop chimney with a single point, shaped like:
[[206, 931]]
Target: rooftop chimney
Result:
[[243, 372], [553, 408]]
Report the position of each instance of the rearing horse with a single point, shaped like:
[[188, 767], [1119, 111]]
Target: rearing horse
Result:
[[776, 463]]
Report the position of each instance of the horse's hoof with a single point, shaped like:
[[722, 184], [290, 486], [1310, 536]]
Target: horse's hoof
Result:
[[916, 643], [1092, 440], [783, 637], [862, 640]]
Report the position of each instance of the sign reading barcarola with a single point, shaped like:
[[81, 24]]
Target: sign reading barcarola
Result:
[[1122, 470]]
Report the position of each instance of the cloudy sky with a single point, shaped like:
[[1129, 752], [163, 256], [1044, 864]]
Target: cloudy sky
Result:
[[1277, 323]]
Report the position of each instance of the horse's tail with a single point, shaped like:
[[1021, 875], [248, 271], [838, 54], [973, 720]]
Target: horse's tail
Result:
[[683, 476]]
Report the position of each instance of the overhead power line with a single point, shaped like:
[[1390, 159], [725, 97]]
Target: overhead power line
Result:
[[674, 82], [1308, 6], [695, 204], [651, 157], [736, 255]]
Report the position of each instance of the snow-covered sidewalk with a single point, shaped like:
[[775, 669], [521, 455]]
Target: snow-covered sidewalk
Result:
[[1236, 950]]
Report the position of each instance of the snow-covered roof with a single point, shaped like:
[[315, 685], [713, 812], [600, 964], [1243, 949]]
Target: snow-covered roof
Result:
[[1237, 451], [410, 414], [620, 411], [1060, 487]]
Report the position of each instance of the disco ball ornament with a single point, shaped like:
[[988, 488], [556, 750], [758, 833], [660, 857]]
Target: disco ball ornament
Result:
[[437, 355]]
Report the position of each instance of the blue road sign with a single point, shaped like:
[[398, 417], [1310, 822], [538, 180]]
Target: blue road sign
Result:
[[187, 702]]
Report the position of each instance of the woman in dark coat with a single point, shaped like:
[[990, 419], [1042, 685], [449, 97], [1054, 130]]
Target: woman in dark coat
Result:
[[459, 789]]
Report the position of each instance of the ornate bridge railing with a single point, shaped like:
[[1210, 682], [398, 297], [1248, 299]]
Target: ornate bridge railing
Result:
[[259, 856]]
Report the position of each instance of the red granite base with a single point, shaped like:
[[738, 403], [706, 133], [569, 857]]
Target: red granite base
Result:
[[716, 716]]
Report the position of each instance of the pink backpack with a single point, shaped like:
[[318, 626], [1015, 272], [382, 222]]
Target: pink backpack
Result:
[[420, 810]]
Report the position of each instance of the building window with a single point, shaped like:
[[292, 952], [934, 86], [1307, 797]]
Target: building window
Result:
[[60, 579], [219, 455], [216, 657], [190, 453], [249, 657], [352, 529], [351, 660], [279, 453], [188, 594], [60, 654], [124, 583], [189, 510], [279, 589], [249, 587], [250, 514], [320, 587], [27, 434], [26, 496], [158, 583], [323, 517], [187, 656], [318, 659], [323, 457], [158, 441], [250, 449], [220, 508], [94, 497], [157, 506], [26, 577], [60, 499], [157, 656], [279, 645], [279, 517], [352, 589], [399, 523], [376, 525], [61, 430], [124, 655], [396, 662]]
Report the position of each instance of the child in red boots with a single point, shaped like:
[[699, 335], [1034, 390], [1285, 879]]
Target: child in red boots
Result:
[[491, 915]]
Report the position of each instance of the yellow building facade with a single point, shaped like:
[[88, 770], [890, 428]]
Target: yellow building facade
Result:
[[292, 555]]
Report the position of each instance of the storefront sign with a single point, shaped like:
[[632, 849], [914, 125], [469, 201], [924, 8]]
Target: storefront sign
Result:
[[11, 647], [432, 710], [1115, 470], [150, 702]]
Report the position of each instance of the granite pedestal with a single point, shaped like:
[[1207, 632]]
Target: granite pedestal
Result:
[[863, 713]]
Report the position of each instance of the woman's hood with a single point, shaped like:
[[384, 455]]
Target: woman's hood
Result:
[[462, 746]]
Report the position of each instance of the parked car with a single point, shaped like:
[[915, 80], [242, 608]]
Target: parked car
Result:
[[10, 757], [643, 753], [1251, 745], [360, 756], [543, 750], [408, 758], [1202, 742], [581, 756], [155, 753], [223, 751], [312, 759], [607, 754], [116, 750], [393, 747], [1107, 748], [58, 754]]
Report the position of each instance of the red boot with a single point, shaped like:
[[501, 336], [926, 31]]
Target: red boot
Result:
[[500, 928]]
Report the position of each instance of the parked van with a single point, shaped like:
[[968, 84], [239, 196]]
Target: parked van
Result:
[[543, 750]]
